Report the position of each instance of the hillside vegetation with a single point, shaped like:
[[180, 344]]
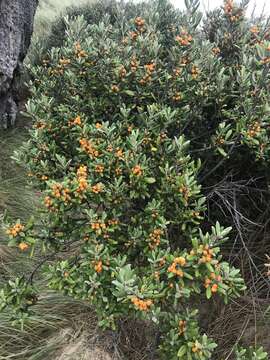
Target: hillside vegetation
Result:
[[138, 210]]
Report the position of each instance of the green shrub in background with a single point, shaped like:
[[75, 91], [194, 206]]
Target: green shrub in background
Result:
[[251, 354], [48, 13], [121, 123], [93, 12]]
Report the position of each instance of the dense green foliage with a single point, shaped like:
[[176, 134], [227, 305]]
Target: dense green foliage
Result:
[[131, 116]]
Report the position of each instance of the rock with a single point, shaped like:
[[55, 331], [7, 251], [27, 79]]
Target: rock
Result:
[[16, 27]]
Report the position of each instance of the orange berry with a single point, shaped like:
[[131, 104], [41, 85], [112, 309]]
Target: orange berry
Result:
[[98, 267], [137, 170], [97, 188], [23, 246], [98, 125], [115, 89]]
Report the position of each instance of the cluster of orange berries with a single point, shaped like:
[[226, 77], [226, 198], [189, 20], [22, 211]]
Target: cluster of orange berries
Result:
[[177, 72], [212, 281], [64, 62], [79, 52], [113, 222], [184, 39], [139, 22], [60, 192], [137, 170], [155, 238], [219, 140], [254, 129], [133, 35], [44, 147], [82, 171], [76, 121], [97, 188], [115, 88], [216, 50], [175, 267], [162, 262], [88, 147], [23, 246], [230, 11], [206, 252], [58, 71], [99, 169], [122, 71], [118, 171], [98, 266], [109, 148], [101, 226], [119, 153], [184, 61], [143, 305], [185, 192], [195, 214], [194, 72], [177, 96], [254, 29], [39, 125], [48, 202], [15, 230], [150, 68], [82, 178], [182, 325], [196, 348], [98, 125], [236, 17], [98, 226], [134, 64], [228, 7]]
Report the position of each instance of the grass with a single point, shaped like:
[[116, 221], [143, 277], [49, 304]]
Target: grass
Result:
[[15, 196]]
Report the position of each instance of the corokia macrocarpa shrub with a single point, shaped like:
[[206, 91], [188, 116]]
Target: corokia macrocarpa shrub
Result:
[[120, 123]]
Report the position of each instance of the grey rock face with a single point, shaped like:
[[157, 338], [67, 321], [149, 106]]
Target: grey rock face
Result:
[[16, 27]]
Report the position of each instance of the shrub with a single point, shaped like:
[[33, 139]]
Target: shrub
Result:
[[251, 353], [119, 121]]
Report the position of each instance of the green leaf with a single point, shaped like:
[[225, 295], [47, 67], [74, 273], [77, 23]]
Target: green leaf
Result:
[[182, 351], [129, 92], [150, 180], [208, 293]]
